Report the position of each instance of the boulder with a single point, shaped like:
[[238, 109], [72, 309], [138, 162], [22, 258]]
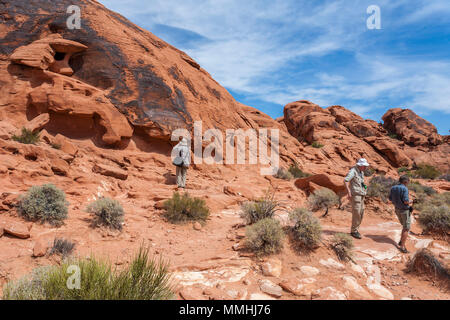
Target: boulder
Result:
[[411, 128], [16, 229], [36, 124], [59, 167], [40, 248], [271, 267], [393, 153], [271, 288]]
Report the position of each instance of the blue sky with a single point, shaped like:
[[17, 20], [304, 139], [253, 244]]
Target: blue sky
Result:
[[268, 53]]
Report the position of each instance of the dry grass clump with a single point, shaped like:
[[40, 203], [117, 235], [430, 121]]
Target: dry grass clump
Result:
[[342, 244], [425, 263]]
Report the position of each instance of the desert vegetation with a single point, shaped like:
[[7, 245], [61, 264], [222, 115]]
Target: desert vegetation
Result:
[[434, 216], [342, 244], [297, 172], [144, 279], [323, 198], [183, 208], [62, 247], [424, 263], [380, 186], [106, 212], [27, 137], [265, 207], [46, 203], [264, 237], [307, 231], [284, 174]]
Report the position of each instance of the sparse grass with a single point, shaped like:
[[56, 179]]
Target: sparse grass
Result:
[[264, 237], [323, 198], [317, 145], [297, 172], [307, 231], [27, 137], [254, 211], [284, 174], [425, 263], [62, 246], [402, 169], [46, 203], [106, 212], [380, 186], [56, 146], [426, 171], [435, 219], [183, 208], [342, 245], [143, 279]]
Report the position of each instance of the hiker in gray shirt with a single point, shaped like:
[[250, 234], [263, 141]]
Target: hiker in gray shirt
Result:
[[357, 190]]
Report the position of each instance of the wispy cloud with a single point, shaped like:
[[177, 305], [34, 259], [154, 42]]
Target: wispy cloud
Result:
[[284, 50]]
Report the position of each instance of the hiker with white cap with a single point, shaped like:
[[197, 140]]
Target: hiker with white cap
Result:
[[357, 190], [181, 155]]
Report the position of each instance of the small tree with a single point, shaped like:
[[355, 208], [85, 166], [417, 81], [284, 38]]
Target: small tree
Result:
[[323, 198]]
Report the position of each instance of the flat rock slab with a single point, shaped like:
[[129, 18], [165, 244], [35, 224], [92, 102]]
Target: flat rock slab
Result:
[[17, 230], [110, 171]]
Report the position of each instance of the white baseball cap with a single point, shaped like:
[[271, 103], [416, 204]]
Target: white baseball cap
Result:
[[362, 163]]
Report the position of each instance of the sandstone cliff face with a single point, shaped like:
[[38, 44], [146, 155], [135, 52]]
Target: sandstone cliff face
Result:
[[111, 63]]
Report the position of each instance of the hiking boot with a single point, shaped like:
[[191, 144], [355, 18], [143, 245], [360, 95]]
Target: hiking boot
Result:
[[403, 249], [356, 235]]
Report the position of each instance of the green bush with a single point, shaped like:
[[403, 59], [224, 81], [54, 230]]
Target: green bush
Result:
[[323, 198], [45, 203], [342, 245], [307, 231], [380, 186], [426, 171], [402, 169], [284, 174], [264, 237], [317, 145], [435, 219], [143, 279], [297, 172], [27, 137], [183, 208], [253, 211], [419, 188], [106, 212], [369, 172]]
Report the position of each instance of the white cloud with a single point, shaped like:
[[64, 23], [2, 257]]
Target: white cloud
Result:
[[255, 41]]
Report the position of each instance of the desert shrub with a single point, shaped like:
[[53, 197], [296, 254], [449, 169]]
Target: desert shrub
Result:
[[394, 136], [62, 246], [307, 231], [46, 203], [183, 208], [264, 237], [297, 172], [342, 245], [55, 145], [425, 263], [380, 186], [435, 219], [253, 211], [369, 172], [143, 279], [284, 174], [402, 169], [106, 212], [419, 188], [27, 137], [426, 171], [323, 198], [445, 177], [317, 145]]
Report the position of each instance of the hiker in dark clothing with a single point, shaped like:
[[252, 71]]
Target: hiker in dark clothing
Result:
[[399, 196]]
